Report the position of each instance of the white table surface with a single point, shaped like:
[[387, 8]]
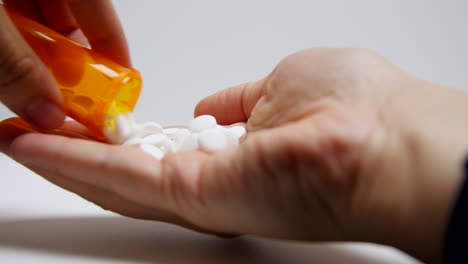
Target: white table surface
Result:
[[189, 49]]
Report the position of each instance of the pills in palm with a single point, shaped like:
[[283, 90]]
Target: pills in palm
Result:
[[190, 143], [155, 139], [236, 132], [148, 128], [212, 140], [152, 150], [133, 142], [203, 134], [202, 122]]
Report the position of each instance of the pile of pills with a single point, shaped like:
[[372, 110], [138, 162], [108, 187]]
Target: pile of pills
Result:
[[202, 134]]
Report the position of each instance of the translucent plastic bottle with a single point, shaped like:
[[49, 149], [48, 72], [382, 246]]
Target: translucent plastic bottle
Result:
[[95, 89]]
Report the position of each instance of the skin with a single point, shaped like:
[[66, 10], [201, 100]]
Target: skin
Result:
[[26, 86], [341, 146]]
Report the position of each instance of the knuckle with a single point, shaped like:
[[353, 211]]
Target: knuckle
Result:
[[16, 69], [326, 66], [359, 56], [328, 58]]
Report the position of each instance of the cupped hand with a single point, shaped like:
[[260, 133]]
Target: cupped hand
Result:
[[341, 146], [26, 86]]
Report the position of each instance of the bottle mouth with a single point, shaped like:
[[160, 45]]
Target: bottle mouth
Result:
[[124, 101]]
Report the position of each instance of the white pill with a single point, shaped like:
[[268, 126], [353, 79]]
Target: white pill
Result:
[[124, 125], [155, 139], [111, 136], [231, 141], [160, 141], [212, 140], [222, 128], [152, 150], [190, 143], [126, 117], [236, 132], [203, 133], [170, 132], [133, 142], [202, 122], [148, 128], [176, 134], [167, 146], [180, 135]]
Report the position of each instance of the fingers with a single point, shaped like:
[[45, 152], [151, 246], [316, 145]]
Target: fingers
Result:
[[54, 13], [73, 128], [100, 24], [96, 19], [104, 198], [95, 172], [118, 169], [28, 8], [234, 104], [58, 16], [112, 201], [134, 187], [11, 129], [125, 172], [26, 86], [14, 127]]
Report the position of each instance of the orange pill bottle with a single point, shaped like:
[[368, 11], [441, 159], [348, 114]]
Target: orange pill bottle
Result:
[[95, 89]]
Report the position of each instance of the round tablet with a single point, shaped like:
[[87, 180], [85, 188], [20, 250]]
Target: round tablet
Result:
[[152, 150], [212, 140], [201, 123]]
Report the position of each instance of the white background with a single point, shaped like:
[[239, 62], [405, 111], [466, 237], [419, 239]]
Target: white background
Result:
[[189, 49]]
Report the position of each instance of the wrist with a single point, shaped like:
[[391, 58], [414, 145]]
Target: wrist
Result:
[[413, 163], [433, 144]]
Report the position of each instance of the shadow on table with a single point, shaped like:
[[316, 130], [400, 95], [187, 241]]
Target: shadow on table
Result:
[[116, 238]]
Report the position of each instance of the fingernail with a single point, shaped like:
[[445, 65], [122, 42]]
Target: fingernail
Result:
[[45, 114]]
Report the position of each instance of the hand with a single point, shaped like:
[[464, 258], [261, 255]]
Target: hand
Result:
[[341, 146], [26, 86]]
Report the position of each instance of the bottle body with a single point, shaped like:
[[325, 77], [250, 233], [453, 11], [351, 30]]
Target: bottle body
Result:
[[95, 89]]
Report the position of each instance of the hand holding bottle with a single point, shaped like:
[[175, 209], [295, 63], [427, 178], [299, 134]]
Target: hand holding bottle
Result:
[[26, 86]]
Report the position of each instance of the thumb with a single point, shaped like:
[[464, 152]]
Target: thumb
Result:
[[234, 104], [26, 86]]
